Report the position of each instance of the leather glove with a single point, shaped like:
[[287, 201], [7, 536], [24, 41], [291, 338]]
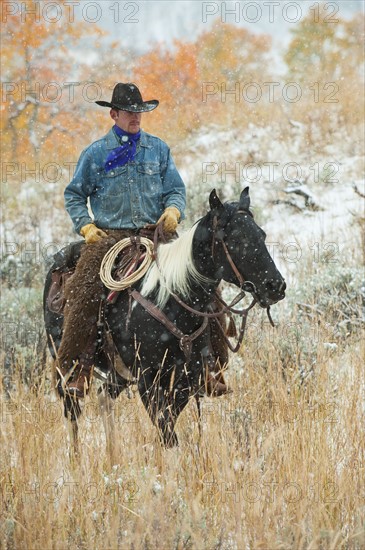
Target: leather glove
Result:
[[91, 233], [170, 219]]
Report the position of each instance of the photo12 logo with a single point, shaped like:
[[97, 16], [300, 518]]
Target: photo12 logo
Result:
[[50, 92], [70, 12], [269, 172], [270, 12], [50, 172], [253, 92], [290, 492], [118, 490]]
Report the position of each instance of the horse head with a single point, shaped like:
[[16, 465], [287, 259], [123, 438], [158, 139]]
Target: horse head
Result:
[[238, 249]]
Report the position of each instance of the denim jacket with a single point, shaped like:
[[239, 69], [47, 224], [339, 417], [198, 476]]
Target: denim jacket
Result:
[[129, 196]]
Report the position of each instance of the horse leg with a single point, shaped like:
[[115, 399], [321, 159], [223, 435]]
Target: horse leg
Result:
[[168, 405], [106, 404], [72, 412], [74, 438], [174, 403], [197, 400], [178, 399], [159, 407], [166, 423]]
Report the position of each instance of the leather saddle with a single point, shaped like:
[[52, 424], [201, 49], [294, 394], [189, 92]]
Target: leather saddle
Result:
[[64, 264]]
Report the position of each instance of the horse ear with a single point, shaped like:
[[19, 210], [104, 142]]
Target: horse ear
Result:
[[214, 201], [244, 203]]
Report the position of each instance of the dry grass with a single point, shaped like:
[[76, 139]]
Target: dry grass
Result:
[[280, 462]]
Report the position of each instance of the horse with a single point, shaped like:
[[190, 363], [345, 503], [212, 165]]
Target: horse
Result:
[[160, 327]]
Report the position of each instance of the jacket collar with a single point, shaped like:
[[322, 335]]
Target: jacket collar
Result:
[[111, 141]]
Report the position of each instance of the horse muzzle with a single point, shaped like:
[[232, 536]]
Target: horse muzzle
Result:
[[272, 292], [275, 291]]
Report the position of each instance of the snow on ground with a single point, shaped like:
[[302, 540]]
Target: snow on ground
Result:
[[228, 160], [273, 161]]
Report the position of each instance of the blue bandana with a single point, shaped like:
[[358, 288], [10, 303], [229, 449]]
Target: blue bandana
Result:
[[126, 152]]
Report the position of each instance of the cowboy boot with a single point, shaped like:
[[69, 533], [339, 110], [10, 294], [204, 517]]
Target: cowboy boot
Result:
[[214, 382], [215, 388], [79, 384]]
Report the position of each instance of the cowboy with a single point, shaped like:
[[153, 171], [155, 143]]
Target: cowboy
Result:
[[130, 182]]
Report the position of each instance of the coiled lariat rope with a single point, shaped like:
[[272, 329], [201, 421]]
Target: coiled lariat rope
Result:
[[131, 276]]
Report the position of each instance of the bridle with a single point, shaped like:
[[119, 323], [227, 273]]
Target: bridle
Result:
[[243, 282], [186, 340]]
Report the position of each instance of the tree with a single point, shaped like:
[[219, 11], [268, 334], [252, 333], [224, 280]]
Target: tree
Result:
[[172, 77], [233, 54], [326, 50], [189, 78], [38, 107], [233, 66], [328, 57]]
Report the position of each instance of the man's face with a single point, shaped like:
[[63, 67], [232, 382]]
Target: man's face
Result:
[[127, 121]]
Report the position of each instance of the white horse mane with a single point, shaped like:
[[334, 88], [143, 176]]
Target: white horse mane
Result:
[[173, 270]]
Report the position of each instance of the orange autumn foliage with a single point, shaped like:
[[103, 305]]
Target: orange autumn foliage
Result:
[[198, 83], [180, 77], [37, 105], [170, 76]]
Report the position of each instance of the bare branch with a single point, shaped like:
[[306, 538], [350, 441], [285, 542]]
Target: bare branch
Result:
[[357, 191], [303, 191]]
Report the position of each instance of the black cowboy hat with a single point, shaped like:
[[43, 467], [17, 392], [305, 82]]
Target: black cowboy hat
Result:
[[127, 97]]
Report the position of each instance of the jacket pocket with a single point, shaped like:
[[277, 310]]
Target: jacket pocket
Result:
[[112, 192], [113, 180], [149, 168], [151, 188], [148, 174]]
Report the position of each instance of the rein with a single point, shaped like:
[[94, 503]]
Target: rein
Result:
[[227, 308], [244, 314], [186, 340]]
